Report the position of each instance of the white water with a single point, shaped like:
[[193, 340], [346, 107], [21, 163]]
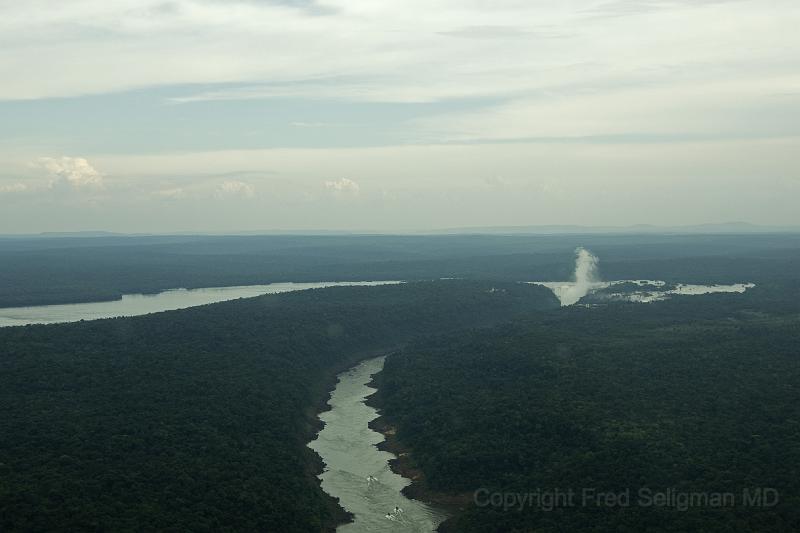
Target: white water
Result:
[[587, 280], [681, 289], [142, 304], [567, 294], [348, 447]]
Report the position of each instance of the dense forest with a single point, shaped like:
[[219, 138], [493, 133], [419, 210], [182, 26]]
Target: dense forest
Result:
[[48, 270], [197, 420], [693, 394]]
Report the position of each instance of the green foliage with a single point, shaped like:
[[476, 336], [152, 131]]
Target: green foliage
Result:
[[197, 420], [63, 270], [697, 393]]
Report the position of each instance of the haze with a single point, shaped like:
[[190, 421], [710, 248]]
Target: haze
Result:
[[204, 115]]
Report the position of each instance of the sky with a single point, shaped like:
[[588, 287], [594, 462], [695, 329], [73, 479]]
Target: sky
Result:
[[235, 115]]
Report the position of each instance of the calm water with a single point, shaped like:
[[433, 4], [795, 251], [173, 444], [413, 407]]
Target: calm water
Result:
[[142, 304], [348, 447]]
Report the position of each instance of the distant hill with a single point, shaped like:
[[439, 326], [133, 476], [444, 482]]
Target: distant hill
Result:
[[725, 227], [546, 229]]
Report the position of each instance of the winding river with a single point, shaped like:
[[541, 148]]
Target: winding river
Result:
[[357, 472], [346, 444]]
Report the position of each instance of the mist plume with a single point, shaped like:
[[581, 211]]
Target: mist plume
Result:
[[586, 278]]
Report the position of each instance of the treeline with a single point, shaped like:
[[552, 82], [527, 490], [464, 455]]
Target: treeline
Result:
[[695, 394], [64, 270], [197, 420]]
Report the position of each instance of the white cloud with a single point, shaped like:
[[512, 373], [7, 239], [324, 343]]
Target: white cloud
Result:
[[496, 182], [711, 86], [725, 108], [236, 188], [175, 193], [13, 188], [76, 172], [443, 186], [382, 51], [343, 186], [300, 124]]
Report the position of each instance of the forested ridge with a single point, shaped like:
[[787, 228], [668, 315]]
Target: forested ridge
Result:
[[694, 394], [197, 420]]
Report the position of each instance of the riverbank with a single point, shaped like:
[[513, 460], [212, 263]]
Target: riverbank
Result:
[[404, 465], [357, 471], [322, 392]]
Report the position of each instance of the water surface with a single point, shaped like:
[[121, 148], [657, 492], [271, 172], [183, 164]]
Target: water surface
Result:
[[348, 447], [570, 292], [142, 304]]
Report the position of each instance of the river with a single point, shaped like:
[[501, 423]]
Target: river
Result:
[[357, 472], [142, 304]]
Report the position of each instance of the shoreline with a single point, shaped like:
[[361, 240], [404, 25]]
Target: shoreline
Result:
[[321, 393], [403, 463]]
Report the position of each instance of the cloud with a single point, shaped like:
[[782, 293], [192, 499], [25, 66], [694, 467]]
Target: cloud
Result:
[[236, 188], [301, 124], [495, 32], [391, 52], [13, 188], [75, 172], [730, 108], [175, 193], [442, 185], [623, 8], [496, 182], [343, 186]]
